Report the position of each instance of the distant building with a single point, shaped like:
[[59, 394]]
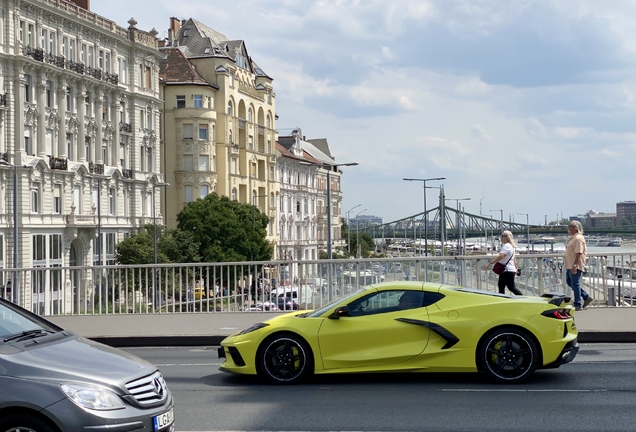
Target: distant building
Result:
[[363, 221], [626, 210]]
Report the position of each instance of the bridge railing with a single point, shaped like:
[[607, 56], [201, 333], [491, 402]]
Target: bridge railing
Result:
[[282, 285]]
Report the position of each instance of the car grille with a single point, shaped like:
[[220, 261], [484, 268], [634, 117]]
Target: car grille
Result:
[[148, 390]]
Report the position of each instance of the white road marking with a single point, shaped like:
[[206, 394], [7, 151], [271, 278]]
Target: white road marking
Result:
[[525, 390], [186, 364]]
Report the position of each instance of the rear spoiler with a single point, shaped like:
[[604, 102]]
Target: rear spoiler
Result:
[[557, 298]]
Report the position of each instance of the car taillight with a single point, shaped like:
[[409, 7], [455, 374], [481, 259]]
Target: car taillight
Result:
[[557, 313]]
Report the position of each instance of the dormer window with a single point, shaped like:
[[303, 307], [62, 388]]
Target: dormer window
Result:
[[186, 32]]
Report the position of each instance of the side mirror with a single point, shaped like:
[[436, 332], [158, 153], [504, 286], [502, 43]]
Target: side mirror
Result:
[[342, 311]]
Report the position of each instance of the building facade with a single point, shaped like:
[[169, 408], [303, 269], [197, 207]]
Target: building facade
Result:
[[219, 122], [326, 171], [78, 140]]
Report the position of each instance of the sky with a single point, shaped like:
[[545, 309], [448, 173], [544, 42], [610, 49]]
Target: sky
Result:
[[525, 107]]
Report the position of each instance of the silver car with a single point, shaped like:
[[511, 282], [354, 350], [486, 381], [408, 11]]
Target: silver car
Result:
[[52, 380]]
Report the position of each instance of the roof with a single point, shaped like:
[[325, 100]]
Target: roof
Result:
[[306, 146], [322, 145], [175, 68], [203, 41], [286, 153]]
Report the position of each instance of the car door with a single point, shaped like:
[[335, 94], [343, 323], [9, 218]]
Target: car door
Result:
[[377, 332]]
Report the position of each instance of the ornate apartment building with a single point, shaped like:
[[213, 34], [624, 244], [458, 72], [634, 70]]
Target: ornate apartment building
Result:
[[78, 141], [219, 122], [318, 151]]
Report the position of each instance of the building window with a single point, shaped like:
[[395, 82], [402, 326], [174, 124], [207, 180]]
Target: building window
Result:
[[69, 146], [28, 144], [49, 95], [181, 101], [77, 199], [187, 131], [230, 137], [91, 52], [105, 155], [230, 108], [148, 77], [188, 190], [111, 201], [268, 122], [149, 118], [35, 198], [30, 35], [100, 60], [69, 99], [272, 200], [123, 67], [87, 104], [269, 146], [188, 162], [203, 132], [57, 199], [204, 190], [27, 88], [233, 169], [250, 142], [231, 81], [204, 163], [71, 50], [234, 196], [52, 43], [250, 116], [198, 101]]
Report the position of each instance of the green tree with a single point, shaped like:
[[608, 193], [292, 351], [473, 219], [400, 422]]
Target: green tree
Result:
[[226, 230], [173, 246]]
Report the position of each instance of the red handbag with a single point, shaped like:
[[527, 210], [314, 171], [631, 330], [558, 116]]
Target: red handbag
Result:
[[499, 268]]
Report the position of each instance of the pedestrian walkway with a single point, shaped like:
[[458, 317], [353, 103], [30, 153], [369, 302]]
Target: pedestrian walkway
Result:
[[595, 324]]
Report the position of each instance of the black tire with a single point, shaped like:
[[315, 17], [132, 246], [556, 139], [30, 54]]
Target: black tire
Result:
[[24, 423], [508, 355], [284, 359]]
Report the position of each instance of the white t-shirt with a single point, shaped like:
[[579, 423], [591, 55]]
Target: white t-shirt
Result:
[[509, 252]]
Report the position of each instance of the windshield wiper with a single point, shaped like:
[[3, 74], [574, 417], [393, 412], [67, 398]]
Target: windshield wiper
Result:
[[28, 334]]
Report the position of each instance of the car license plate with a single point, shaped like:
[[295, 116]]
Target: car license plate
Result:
[[163, 420]]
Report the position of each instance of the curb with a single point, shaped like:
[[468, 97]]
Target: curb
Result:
[[190, 341]]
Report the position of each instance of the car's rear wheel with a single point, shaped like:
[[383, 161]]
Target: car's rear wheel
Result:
[[24, 423], [508, 355], [284, 359]]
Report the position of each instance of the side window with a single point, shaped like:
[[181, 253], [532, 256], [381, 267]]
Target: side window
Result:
[[386, 301]]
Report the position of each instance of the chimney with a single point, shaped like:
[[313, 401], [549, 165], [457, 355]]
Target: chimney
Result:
[[84, 4], [175, 25], [162, 43]]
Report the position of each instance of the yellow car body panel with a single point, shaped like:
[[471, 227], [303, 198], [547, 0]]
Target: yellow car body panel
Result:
[[441, 337]]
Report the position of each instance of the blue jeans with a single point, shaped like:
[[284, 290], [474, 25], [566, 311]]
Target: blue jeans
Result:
[[574, 282]]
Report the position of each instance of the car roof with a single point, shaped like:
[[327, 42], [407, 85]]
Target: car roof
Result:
[[404, 285]]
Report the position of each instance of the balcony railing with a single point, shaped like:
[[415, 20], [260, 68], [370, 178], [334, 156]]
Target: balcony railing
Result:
[[77, 67], [3, 100], [58, 163], [125, 127], [95, 168], [127, 173]]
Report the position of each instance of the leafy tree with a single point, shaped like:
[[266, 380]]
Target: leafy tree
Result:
[[226, 230], [173, 246]]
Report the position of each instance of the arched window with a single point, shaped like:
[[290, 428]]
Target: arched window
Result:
[[230, 108], [272, 200], [268, 122], [234, 194], [298, 206], [250, 115]]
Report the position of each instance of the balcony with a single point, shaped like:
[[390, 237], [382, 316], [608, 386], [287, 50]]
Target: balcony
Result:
[[58, 163], [81, 220], [95, 168], [125, 127], [241, 123], [4, 157], [3, 100], [234, 148], [127, 173]]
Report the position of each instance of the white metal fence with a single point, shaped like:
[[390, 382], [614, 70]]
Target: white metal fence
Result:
[[281, 285]]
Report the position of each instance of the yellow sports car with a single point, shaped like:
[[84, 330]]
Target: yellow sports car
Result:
[[410, 327]]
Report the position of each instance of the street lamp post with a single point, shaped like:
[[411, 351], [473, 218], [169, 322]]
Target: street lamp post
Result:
[[357, 235], [425, 215], [528, 229], [458, 216], [14, 277], [154, 224], [349, 228]]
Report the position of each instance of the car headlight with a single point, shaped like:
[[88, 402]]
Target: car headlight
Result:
[[92, 397], [252, 328]]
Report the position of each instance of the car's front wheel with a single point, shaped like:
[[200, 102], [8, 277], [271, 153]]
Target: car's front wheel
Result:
[[508, 355], [284, 359], [24, 423]]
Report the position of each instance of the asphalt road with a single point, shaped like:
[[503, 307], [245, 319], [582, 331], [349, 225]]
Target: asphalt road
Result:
[[597, 392]]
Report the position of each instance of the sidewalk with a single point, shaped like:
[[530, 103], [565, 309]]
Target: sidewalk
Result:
[[595, 324]]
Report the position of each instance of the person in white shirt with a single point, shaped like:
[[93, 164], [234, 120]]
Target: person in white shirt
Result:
[[507, 258]]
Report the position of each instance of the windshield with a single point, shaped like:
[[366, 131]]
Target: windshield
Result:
[[344, 300], [14, 321]]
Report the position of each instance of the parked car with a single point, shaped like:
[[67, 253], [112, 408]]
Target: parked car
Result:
[[52, 380], [410, 327]]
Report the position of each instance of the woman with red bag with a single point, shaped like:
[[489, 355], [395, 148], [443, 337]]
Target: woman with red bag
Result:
[[507, 260]]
